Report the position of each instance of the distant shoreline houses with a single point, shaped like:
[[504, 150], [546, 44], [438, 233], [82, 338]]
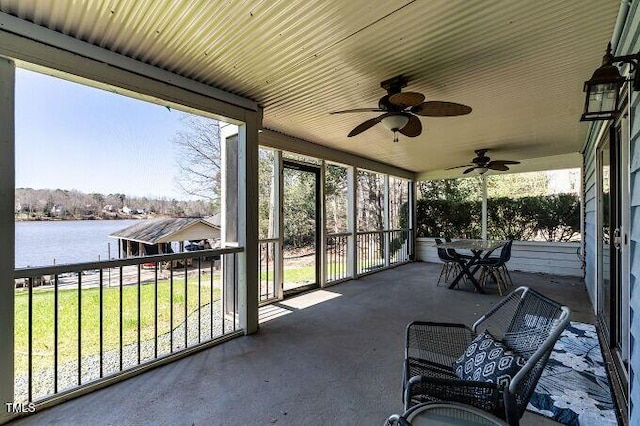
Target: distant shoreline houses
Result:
[[59, 212], [56, 204]]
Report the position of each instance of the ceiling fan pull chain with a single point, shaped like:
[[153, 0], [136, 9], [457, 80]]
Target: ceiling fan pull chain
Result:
[[395, 136]]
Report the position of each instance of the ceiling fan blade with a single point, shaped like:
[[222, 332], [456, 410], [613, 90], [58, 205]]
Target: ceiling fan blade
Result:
[[440, 109], [366, 125], [504, 162], [406, 99], [469, 170], [495, 166], [413, 127], [357, 110], [459, 167]]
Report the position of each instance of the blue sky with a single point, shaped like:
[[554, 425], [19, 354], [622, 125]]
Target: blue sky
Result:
[[70, 136]]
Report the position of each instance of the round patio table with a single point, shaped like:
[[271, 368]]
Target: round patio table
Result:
[[445, 414]]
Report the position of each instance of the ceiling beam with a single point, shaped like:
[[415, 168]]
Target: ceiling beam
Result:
[[24, 41], [273, 139]]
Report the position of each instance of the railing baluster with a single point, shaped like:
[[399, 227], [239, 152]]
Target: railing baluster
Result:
[[267, 286], [139, 304], [55, 333], [30, 343], [171, 308], [155, 309], [186, 303], [199, 299], [79, 328], [101, 316], [273, 276], [260, 279], [211, 296], [223, 285], [121, 322], [334, 259], [235, 293]]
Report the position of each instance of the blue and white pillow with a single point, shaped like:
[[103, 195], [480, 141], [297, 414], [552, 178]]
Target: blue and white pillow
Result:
[[487, 360]]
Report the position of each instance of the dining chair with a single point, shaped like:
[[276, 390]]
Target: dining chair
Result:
[[507, 257], [449, 263], [496, 267]]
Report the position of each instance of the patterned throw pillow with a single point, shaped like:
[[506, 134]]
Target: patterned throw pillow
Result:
[[487, 360]]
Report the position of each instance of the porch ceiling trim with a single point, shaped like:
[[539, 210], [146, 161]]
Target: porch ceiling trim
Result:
[[35, 45], [273, 139]]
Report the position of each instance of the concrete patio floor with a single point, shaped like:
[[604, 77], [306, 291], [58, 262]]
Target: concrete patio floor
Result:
[[328, 357]]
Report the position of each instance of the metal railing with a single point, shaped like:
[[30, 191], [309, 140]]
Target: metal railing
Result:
[[79, 324], [400, 241], [267, 269], [374, 247], [370, 251], [337, 267]]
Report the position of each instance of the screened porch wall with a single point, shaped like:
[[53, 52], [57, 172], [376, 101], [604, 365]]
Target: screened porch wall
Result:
[[365, 220]]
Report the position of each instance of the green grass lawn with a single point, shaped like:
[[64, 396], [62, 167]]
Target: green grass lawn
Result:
[[305, 273], [43, 318]]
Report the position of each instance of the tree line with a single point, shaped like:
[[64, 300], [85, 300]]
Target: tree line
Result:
[[43, 204]]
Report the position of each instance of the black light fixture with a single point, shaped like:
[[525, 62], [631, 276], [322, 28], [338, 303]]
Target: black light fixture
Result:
[[603, 90]]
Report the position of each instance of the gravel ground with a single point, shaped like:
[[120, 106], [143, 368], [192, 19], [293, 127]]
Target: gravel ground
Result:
[[43, 384]]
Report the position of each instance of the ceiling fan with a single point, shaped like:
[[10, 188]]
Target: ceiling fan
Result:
[[400, 110], [483, 163]]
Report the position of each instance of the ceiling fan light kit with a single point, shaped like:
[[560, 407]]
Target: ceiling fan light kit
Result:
[[395, 123], [402, 108]]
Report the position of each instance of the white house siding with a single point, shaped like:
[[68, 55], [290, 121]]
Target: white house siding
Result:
[[526, 256]]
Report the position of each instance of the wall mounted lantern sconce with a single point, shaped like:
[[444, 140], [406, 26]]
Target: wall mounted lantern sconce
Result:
[[603, 90]]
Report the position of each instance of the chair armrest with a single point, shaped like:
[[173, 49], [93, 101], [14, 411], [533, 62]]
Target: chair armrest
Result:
[[437, 343], [483, 395]]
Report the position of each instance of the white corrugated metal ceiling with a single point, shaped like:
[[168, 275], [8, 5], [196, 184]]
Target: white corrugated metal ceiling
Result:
[[519, 64]]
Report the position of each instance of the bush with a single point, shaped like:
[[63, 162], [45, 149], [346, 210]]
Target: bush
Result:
[[558, 218], [550, 217], [460, 219]]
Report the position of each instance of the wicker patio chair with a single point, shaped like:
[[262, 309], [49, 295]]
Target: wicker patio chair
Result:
[[525, 321]]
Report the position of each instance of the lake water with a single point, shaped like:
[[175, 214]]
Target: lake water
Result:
[[48, 242]]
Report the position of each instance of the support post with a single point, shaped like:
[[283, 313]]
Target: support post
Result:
[[7, 230], [352, 222], [484, 206], [413, 222], [385, 224], [321, 243], [247, 196], [229, 218], [278, 184]]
